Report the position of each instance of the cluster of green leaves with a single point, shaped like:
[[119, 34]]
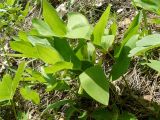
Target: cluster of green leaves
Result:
[[149, 41], [11, 16], [50, 40], [151, 5]]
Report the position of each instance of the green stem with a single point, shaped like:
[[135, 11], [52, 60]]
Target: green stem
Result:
[[145, 21], [14, 109]]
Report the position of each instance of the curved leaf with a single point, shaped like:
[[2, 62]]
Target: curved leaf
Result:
[[154, 64], [53, 20], [58, 66], [64, 49], [57, 105], [18, 76], [132, 30], [29, 94], [5, 88], [42, 28], [123, 61], [145, 44], [107, 42], [94, 82], [37, 40], [48, 54], [151, 5], [78, 26], [99, 29], [44, 52], [9, 86]]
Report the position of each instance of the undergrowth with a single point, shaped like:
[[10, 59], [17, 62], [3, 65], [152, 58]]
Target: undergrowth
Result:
[[80, 65]]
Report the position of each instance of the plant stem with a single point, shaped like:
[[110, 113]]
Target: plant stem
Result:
[[145, 22], [14, 109]]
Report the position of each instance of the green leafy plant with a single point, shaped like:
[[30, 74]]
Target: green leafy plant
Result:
[[12, 15], [8, 86], [148, 42], [151, 5], [70, 48]]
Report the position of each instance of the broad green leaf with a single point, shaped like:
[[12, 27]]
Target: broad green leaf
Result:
[[18, 76], [22, 35], [10, 2], [35, 76], [58, 66], [86, 64], [48, 54], [24, 47], [53, 20], [132, 30], [86, 52], [42, 28], [94, 82], [78, 26], [123, 61], [34, 32], [136, 21], [44, 52], [9, 86], [29, 94], [113, 29], [6, 88], [149, 40], [151, 5], [91, 51], [145, 44], [57, 105], [66, 52], [37, 40], [76, 20], [80, 32], [107, 42], [99, 29], [154, 64]]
